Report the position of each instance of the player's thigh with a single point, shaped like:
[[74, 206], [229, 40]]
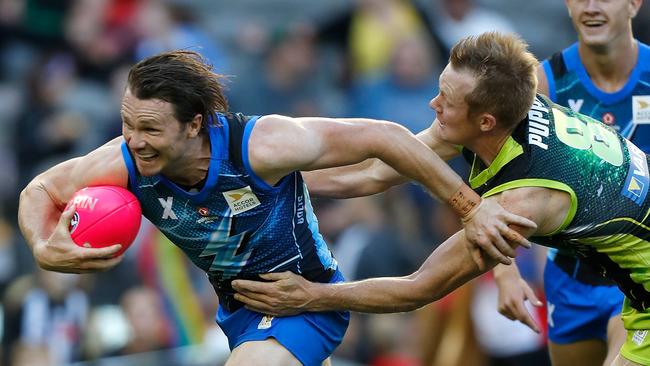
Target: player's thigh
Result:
[[622, 361], [616, 335], [582, 353], [263, 353]]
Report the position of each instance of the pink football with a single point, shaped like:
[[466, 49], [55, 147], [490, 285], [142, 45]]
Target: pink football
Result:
[[105, 215]]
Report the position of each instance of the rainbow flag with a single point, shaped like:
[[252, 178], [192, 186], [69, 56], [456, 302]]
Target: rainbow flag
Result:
[[165, 268]]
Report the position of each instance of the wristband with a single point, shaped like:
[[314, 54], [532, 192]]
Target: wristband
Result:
[[464, 202]]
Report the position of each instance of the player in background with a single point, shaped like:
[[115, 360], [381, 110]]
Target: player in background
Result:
[[546, 166], [227, 189], [605, 75]]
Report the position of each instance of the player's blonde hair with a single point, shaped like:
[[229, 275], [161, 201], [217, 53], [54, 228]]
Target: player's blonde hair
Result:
[[505, 73]]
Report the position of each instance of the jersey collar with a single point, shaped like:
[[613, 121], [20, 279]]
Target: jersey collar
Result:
[[510, 150]]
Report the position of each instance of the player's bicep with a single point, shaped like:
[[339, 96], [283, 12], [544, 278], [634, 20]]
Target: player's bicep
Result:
[[103, 166], [279, 145], [544, 206]]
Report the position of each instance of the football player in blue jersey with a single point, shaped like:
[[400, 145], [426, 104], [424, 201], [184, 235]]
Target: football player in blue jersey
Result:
[[605, 75], [227, 189]]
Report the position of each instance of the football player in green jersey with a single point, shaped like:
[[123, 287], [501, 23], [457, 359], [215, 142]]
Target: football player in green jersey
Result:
[[582, 183], [605, 75]]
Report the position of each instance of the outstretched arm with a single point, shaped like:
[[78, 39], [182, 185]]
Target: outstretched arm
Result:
[[370, 176], [448, 267], [279, 145], [45, 227]]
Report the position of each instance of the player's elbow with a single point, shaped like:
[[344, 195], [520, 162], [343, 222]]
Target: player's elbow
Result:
[[28, 192], [31, 190]]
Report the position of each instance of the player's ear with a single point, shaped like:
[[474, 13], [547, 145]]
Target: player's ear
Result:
[[194, 127], [487, 122], [633, 7]]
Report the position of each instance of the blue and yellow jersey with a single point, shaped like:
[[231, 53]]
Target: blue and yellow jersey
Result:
[[236, 225], [626, 110], [606, 177]]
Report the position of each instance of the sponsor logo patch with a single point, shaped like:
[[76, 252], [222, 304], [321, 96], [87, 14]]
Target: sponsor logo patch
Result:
[[640, 109], [241, 200], [609, 118], [639, 336], [636, 183], [265, 323]]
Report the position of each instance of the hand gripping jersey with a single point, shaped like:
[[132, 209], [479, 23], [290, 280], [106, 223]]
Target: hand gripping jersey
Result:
[[236, 225], [627, 110], [606, 177]]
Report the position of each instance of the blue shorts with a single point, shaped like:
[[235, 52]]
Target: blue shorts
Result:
[[310, 337], [578, 311]]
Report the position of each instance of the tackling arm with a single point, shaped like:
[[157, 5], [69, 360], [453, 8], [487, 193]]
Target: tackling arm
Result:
[[448, 267], [279, 145], [370, 176]]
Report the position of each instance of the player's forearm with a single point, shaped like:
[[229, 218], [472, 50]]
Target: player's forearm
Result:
[[503, 272], [414, 159], [366, 178], [447, 268], [377, 295], [37, 213]]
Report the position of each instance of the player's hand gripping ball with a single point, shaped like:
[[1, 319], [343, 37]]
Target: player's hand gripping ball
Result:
[[104, 216]]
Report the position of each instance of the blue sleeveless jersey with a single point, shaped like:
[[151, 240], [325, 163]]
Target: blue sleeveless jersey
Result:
[[627, 110], [236, 226]]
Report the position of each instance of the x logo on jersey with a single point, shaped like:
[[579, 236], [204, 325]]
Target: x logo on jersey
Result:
[[550, 308]]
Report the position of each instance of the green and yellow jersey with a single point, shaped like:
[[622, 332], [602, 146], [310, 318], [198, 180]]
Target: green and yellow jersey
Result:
[[607, 179]]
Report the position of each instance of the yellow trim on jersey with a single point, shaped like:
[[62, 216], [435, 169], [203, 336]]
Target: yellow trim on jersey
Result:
[[544, 183], [628, 251], [510, 150], [629, 219]]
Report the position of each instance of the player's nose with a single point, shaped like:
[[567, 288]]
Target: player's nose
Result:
[[135, 141]]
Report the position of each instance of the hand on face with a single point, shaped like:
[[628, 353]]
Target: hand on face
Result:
[[59, 253], [488, 231], [288, 294]]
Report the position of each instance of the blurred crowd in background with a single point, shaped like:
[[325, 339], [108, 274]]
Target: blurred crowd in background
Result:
[[63, 66]]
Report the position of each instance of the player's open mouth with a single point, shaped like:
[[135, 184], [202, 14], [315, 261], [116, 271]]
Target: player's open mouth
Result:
[[147, 157], [593, 23]]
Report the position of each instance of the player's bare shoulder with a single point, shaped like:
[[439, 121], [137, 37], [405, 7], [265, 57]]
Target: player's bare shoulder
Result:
[[547, 207]]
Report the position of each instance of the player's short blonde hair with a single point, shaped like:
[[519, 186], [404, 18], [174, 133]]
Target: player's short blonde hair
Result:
[[505, 72]]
